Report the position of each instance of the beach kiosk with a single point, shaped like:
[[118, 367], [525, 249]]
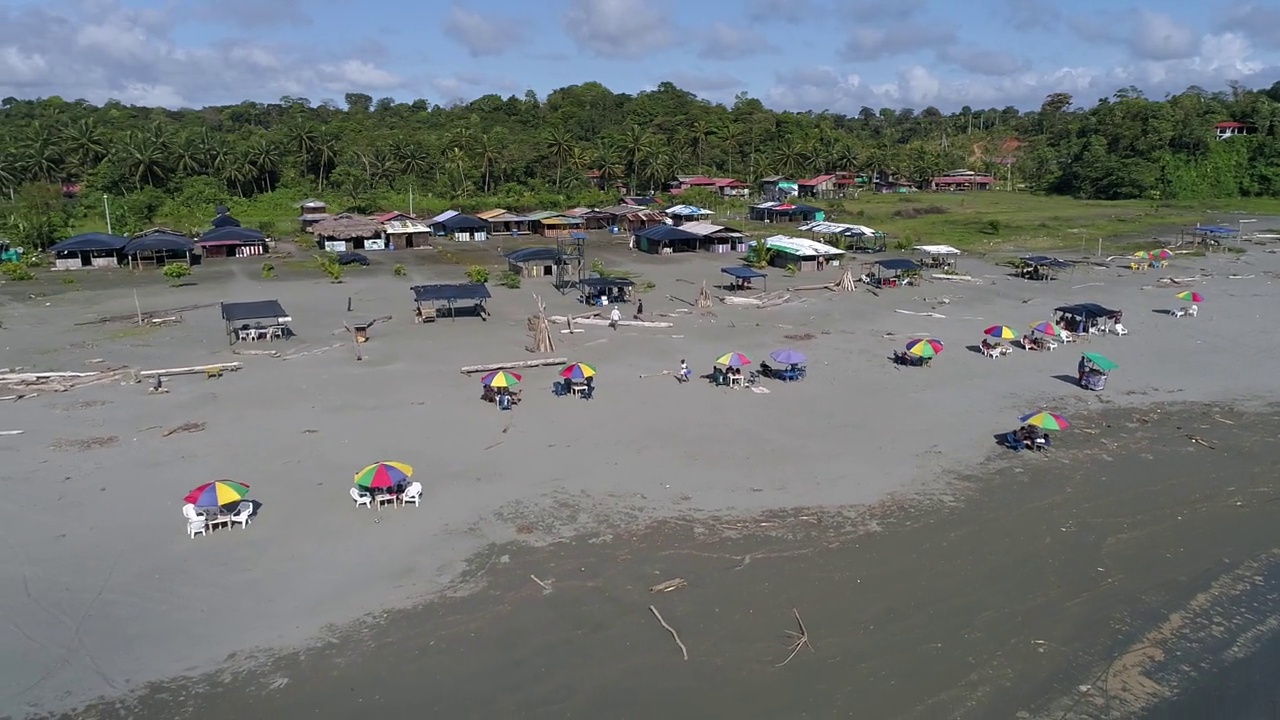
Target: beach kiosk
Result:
[[601, 291], [938, 257], [255, 320], [434, 300], [741, 278], [890, 272], [1093, 371]]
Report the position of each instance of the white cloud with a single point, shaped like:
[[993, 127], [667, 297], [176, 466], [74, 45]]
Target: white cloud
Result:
[[624, 29], [982, 61], [1259, 23], [726, 42], [467, 86], [902, 38], [102, 49], [1220, 57], [1159, 37], [791, 12], [481, 35]]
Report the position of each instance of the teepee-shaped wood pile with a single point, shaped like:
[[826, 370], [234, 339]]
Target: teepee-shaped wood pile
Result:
[[704, 296], [541, 329], [846, 282]]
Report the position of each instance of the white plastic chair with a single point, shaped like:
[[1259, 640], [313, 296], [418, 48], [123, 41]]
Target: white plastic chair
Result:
[[1194, 310], [412, 494], [1066, 336], [243, 515], [1179, 313], [364, 499], [1120, 330], [189, 512], [196, 527]]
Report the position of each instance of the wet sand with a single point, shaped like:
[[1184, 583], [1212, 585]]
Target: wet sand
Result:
[[1103, 578]]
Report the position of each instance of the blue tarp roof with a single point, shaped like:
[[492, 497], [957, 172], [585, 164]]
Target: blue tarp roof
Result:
[[464, 222], [233, 234], [743, 273], [1217, 230], [1044, 261], [159, 242], [252, 310], [606, 282], [898, 264], [666, 233], [578, 235], [224, 220], [90, 241], [534, 254], [445, 292]]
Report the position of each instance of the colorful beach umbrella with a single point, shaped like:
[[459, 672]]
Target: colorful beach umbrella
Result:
[[578, 371], [501, 379], [733, 359], [787, 356], [1102, 362], [1047, 328], [924, 347], [1001, 332], [1045, 421], [1190, 296], [217, 493], [384, 475], [1142, 254], [1161, 254]]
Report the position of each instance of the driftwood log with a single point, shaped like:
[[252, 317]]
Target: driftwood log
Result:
[[490, 367], [194, 369], [625, 323]]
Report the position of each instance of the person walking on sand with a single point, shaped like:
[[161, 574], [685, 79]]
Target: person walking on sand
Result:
[[614, 317], [684, 372], [640, 309]]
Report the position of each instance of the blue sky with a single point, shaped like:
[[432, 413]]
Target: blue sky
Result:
[[793, 54]]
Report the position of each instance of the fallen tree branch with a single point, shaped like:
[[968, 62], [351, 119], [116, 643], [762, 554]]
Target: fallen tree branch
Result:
[[186, 427], [802, 639], [669, 585], [165, 372], [683, 650], [546, 587], [490, 367]]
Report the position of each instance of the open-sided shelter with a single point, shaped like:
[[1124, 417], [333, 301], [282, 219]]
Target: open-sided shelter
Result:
[[940, 257], [785, 212], [605, 290], [1083, 317], [224, 220], [232, 242], [505, 222], [462, 228], [442, 299], [800, 253], [1040, 267], [552, 224], [890, 272], [742, 276], [88, 250], [681, 214], [159, 246], [665, 240], [346, 232], [238, 315], [534, 262]]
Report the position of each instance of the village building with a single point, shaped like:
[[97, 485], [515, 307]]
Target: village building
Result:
[[774, 212], [312, 212], [347, 232], [552, 224], [820, 186], [401, 230], [1224, 130], [957, 180], [718, 238], [505, 222], [533, 262], [592, 218], [460, 228], [681, 214], [632, 218], [801, 254]]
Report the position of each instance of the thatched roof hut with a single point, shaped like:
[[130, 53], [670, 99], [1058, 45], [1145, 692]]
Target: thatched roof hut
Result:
[[347, 227]]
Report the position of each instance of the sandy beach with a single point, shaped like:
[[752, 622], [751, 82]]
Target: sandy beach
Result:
[[106, 597]]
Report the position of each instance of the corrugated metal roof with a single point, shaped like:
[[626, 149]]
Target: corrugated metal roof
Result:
[[800, 246], [405, 227], [544, 214], [561, 220], [701, 228], [936, 249], [487, 214], [443, 216], [835, 228], [687, 210]]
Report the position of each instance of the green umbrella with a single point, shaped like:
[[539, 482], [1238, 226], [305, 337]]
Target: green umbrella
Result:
[[1102, 362]]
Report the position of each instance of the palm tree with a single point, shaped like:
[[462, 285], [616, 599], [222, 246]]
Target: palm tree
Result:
[[265, 158], [303, 140], [578, 159], [326, 155], [10, 172], [790, 158], [237, 169], [41, 153], [608, 161], [560, 143], [189, 157], [488, 152], [411, 158], [731, 137], [146, 154], [84, 145], [699, 131], [456, 160], [637, 147]]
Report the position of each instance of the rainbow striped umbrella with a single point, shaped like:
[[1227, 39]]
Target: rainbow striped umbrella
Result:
[[384, 475], [1001, 332], [217, 493], [733, 359], [1161, 254], [578, 371], [1047, 328], [1190, 296], [501, 379], [924, 347], [1045, 421]]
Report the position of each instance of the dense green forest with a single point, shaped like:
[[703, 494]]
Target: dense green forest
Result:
[[525, 152]]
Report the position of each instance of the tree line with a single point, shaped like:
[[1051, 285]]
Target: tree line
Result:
[[1123, 147]]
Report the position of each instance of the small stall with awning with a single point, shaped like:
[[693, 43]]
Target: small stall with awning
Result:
[[442, 299], [549, 223], [88, 250], [1040, 267], [742, 276], [891, 272], [938, 257], [682, 214], [462, 228], [785, 212], [801, 254], [601, 291], [255, 320]]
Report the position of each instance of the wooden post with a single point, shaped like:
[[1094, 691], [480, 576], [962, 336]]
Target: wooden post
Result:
[[137, 306]]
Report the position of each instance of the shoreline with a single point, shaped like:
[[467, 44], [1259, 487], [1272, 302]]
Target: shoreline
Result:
[[859, 429], [1096, 568]]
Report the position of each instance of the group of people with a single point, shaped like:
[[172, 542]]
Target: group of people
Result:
[[1030, 436]]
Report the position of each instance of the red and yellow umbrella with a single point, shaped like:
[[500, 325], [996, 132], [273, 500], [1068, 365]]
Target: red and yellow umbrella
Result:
[[924, 347], [501, 379]]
